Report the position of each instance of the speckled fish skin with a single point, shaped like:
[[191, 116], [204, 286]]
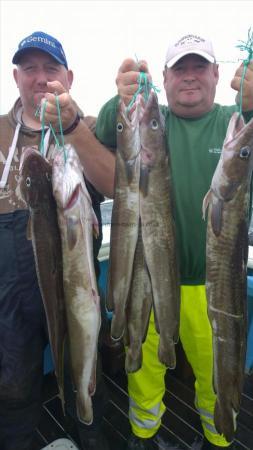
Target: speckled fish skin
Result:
[[36, 190], [158, 230], [138, 310], [226, 269], [76, 220], [125, 216]]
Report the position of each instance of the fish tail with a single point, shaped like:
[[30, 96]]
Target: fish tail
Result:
[[224, 420], [61, 395], [118, 326], [167, 354], [84, 408]]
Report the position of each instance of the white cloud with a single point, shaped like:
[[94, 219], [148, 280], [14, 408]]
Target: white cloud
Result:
[[98, 35]]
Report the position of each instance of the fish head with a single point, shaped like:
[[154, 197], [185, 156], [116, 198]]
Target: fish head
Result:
[[67, 178], [35, 182], [128, 140], [236, 162], [152, 132]]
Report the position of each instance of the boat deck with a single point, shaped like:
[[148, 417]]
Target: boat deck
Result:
[[180, 423]]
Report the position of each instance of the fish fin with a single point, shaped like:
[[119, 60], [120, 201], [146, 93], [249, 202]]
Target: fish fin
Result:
[[176, 333], [144, 180], [224, 420], [205, 203], [216, 217], [156, 320], [71, 233], [126, 337], [133, 360], [92, 383], [95, 224], [29, 229], [61, 377], [145, 325], [109, 303], [84, 408]]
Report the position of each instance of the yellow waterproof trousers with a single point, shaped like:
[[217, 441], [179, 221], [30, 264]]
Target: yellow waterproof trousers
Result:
[[146, 387]]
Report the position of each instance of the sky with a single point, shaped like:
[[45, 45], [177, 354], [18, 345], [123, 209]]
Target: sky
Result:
[[98, 35]]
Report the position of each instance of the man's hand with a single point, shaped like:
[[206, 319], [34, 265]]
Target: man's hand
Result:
[[247, 88], [68, 108], [127, 78]]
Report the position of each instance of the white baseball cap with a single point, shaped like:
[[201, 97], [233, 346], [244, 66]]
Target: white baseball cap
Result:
[[188, 44]]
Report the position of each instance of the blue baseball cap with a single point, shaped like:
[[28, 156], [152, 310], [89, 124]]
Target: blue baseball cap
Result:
[[44, 42]]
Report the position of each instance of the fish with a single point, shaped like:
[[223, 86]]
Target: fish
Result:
[[158, 229], [138, 310], [125, 216], [227, 202], [77, 223], [35, 187]]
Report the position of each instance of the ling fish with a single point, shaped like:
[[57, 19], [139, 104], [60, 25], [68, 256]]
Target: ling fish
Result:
[[77, 222], [36, 190], [125, 216], [226, 269], [158, 229]]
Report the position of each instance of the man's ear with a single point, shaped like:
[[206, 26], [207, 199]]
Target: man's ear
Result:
[[164, 74], [216, 72], [15, 75], [70, 78]]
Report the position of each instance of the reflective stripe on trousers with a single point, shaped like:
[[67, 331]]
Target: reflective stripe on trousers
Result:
[[146, 387]]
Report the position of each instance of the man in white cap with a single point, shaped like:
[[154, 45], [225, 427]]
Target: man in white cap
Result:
[[41, 71], [195, 131]]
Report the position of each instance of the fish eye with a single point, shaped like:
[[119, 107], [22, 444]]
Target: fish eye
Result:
[[245, 152], [154, 124], [28, 182], [120, 127]]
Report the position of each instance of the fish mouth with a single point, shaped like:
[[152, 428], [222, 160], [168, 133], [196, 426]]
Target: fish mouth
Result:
[[134, 115], [26, 153], [73, 198], [238, 130]]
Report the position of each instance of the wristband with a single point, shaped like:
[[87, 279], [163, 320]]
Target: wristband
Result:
[[73, 125]]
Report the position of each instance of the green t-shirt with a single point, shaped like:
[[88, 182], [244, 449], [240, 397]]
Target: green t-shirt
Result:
[[195, 146]]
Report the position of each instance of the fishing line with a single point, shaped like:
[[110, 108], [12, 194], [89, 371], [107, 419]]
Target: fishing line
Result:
[[37, 112], [144, 86], [60, 127], [42, 113], [55, 137], [245, 46], [41, 110], [59, 118]]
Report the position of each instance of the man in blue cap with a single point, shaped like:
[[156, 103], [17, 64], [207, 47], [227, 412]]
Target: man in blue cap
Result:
[[41, 71]]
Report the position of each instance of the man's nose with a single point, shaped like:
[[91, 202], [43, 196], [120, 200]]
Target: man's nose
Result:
[[42, 77], [189, 75]]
